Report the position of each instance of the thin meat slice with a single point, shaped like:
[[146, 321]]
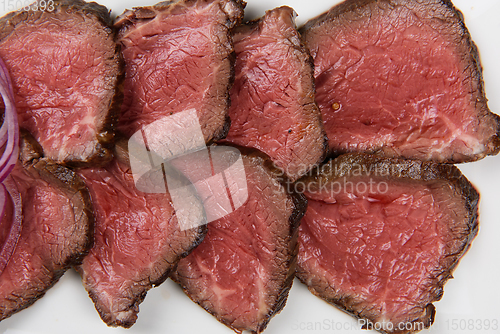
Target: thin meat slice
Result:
[[402, 78], [178, 56], [57, 228], [272, 100], [242, 271], [138, 241], [381, 237], [66, 72]]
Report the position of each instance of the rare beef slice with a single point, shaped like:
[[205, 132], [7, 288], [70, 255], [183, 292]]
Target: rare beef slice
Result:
[[179, 56], [402, 78], [272, 100], [242, 271], [381, 237], [66, 72], [57, 227], [138, 240]]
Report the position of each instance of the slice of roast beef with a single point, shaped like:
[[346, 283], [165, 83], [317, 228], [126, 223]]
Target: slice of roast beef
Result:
[[403, 78], [57, 228], [138, 241], [242, 271], [381, 237], [179, 56], [66, 72], [272, 100]]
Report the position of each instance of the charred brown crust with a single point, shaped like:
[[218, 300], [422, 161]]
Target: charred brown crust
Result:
[[403, 169], [300, 207], [29, 148], [105, 136], [66, 179], [466, 47]]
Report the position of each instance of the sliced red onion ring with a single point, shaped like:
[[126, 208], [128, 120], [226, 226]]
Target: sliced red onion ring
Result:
[[9, 132], [10, 199]]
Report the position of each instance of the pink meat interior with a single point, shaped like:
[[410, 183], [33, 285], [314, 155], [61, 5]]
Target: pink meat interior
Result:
[[395, 79], [239, 269], [172, 65], [133, 233], [383, 245], [61, 71], [270, 111]]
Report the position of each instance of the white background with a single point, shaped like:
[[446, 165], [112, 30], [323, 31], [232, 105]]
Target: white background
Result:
[[470, 299]]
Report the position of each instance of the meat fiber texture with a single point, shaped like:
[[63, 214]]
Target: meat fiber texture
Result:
[[382, 236], [57, 228], [402, 78], [178, 56], [66, 72], [138, 241], [242, 271], [272, 100]]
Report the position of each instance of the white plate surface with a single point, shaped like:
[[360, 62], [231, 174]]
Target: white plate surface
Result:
[[471, 301]]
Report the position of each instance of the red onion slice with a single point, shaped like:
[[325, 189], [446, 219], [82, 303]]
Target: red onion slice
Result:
[[10, 145], [10, 200]]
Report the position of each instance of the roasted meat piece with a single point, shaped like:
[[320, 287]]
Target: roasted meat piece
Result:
[[66, 71], [381, 237], [178, 57], [242, 271], [402, 78], [138, 240], [272, 100]]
